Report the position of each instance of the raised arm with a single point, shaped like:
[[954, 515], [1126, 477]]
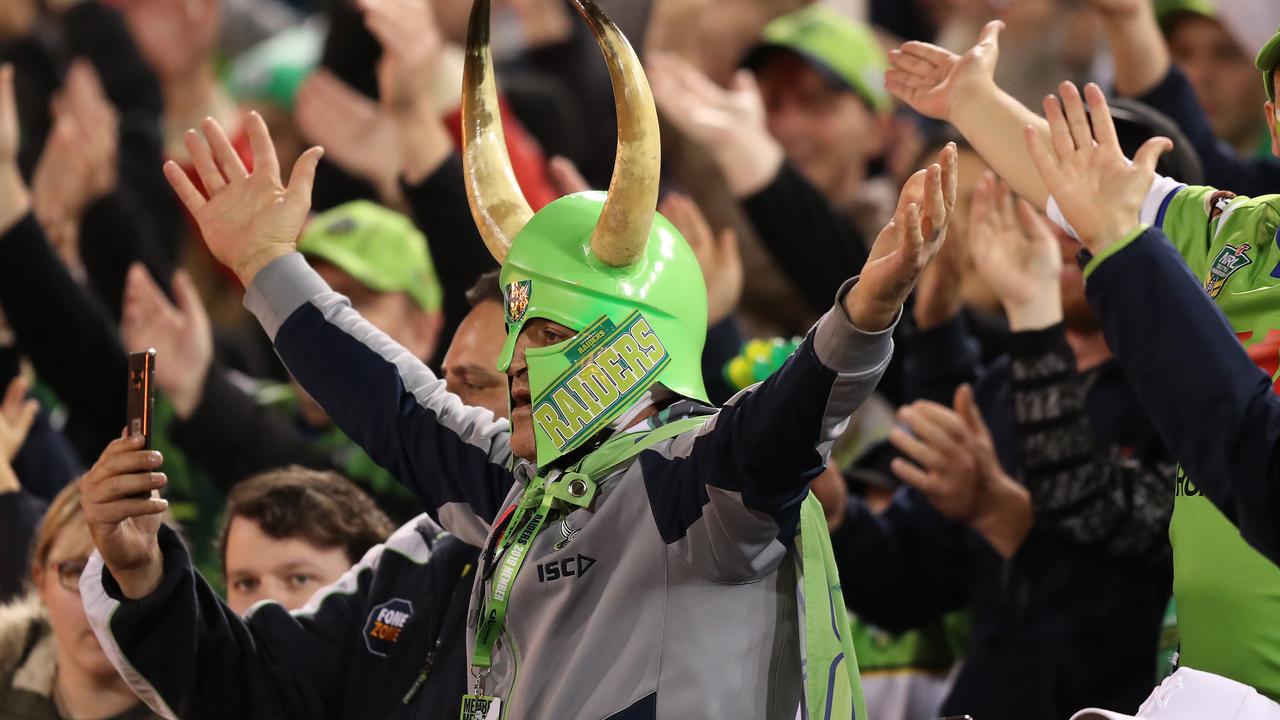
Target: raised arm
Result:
[[961, 90], [452, 456]]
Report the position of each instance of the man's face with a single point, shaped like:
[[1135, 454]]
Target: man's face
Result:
[[536, 333], [393, 313], [471, 363], [289, 571], [826, 132], [1222, 74]]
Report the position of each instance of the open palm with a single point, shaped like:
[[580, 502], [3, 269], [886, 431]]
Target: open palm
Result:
[[931, 79], [246, 219]]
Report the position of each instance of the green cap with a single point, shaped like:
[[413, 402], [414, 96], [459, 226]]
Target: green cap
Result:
[[1266, 61], [846, 49], [378, 247]]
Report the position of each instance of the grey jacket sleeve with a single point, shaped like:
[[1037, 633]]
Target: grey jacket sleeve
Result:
[[733, 507]]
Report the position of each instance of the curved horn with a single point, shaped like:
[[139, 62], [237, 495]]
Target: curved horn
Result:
[[497, 203], [620, 235]]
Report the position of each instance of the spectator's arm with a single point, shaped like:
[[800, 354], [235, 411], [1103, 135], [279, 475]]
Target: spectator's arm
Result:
[[1095, 497], [939, 360], [1213, 407]]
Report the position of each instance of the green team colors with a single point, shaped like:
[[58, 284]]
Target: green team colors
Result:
[[1228, 595]]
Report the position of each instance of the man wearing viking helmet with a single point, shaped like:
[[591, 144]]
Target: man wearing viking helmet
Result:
[[643, 554]]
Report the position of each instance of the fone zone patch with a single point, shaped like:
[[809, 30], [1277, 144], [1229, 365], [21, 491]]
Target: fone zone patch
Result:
[[386, 622], [611, 366]]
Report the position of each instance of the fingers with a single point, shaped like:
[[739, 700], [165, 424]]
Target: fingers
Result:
[[913, 241], [916, 449], [302, 178], [1045, 162], [202, 159], [909, 80], [264, 151], [967, 408], [192, 199], [1104, 128], [114, 512], [224, 153], [1004, 201], [124, 459], [1034, 225], [918, 56], [989, 38], [688, 219], [1149, 154], [1077, 118], [8, 106], [913, 476], [188, 298], [13, 394], [565, 177], [949, 158], [1059, 132], [934, 201]]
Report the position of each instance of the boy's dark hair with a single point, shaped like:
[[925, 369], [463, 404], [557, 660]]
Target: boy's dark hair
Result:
[[485, 288], [320, 508]]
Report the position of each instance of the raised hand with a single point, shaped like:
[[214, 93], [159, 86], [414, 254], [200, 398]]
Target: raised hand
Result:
[[729, 122], [180, 334], [122, 525], [906, 245], [717, 254], [17, 413], [356, 133], [246, 219], [411, 47], [951, 460], [931, 79], [1016, 253], [1098, 190], [15, 201]]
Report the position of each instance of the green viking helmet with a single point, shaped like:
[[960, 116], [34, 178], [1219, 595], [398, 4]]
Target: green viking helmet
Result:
[[605, 265]]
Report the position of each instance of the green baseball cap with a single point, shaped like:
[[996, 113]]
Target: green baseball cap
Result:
[[378, 247], [847, 50], [1268, 58]]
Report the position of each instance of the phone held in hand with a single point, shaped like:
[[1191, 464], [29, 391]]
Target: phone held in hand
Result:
[[142, 397]]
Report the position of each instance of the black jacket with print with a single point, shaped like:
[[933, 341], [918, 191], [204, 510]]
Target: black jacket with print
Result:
[[358, 649]]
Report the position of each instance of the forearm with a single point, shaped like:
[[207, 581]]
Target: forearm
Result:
[[1237, 463], [1138, 49], [992, 121]]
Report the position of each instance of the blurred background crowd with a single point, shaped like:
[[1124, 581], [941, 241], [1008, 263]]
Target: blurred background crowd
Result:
[[1032, 580]]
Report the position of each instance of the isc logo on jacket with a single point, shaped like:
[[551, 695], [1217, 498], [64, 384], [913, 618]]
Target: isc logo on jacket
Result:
[[386, 622]]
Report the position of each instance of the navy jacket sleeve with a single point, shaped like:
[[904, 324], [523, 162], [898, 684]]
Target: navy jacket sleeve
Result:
[[1214, 409], [452, 456], [901, 568], [1223, 168]]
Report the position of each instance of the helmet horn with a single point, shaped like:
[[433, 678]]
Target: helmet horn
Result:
[[498, 205], [622, 232]]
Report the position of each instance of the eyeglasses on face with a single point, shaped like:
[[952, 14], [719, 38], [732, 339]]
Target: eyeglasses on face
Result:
[[69, 572]]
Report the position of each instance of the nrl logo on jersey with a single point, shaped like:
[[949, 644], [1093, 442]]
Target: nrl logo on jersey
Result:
[[515, 297], [1229, 260]]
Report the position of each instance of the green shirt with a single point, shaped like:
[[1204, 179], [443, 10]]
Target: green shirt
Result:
[[1228, 594]]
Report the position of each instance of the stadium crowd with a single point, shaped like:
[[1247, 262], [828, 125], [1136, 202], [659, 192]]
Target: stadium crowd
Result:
[[941, 383]]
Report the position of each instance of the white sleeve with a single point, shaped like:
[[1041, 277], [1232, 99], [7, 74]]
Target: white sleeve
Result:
[[1162, 188]]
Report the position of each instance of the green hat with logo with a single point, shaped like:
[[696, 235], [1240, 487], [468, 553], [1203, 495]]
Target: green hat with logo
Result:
[[605, 265], [846, 50], [380, 248], [1267, 60]]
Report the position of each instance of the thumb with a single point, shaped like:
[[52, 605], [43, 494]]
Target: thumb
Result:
[[188, 298], [26, 417], [1149, 154], [990, 36], [967, 408], [302, 178]]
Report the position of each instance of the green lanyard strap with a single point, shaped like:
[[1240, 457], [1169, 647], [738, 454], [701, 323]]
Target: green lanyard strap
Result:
[[577, 486]]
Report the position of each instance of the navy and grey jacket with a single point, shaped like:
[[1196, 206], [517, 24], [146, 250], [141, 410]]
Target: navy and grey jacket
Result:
[[668, 596], [385, 641]]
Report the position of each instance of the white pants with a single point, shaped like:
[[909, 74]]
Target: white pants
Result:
[[1196, 695]]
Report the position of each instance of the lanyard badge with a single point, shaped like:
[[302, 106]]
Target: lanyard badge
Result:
[[481, 707]]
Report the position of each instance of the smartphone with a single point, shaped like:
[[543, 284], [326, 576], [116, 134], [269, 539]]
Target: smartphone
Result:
[[142, 397]]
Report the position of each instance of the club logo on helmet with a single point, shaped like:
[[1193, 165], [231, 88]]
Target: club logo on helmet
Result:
[[515, 297]]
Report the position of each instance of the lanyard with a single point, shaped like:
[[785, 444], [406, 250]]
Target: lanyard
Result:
[[514, 548]]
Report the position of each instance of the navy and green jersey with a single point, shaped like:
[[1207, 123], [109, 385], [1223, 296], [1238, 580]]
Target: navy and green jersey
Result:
[[1228, 594]]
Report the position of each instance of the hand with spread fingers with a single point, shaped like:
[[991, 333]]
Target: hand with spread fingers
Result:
[[246, 219], [15, 201], [951, 460], [730, 123], [122, 523], [17, 413], [180, 333], [906, 245], [1098, 190], [933, 80], [1017, 255], [717, 254]]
